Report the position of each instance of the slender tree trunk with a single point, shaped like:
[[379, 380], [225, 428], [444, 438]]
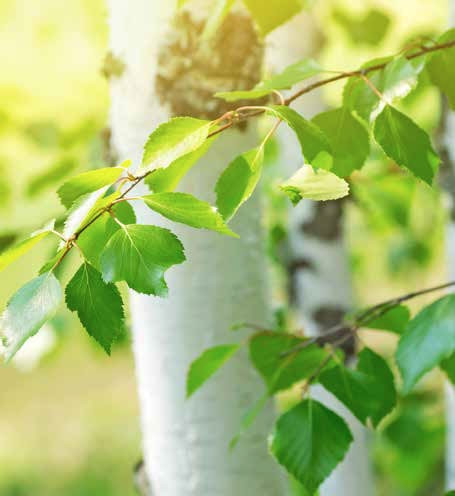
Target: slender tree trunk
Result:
[[167, 72], [319, 273]]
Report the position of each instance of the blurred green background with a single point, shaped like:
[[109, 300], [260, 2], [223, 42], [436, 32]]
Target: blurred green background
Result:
[[69, 422]]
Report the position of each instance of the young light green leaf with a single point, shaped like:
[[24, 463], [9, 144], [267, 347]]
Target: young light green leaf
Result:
[[315, 145], [396, 80], [167, 179], [292, 75], [271, 14], [140, 255], [441, 67], [172, 140], [368, 391], [207, 364], [96, 237], [83, 210], [347, 137], [238, 182], [14, 252], [394, 320], [313, 184], [88, 182], [310, 441], [429, 338], [186, 209], [406, 143], [272, 355], [27, 311], [98, 305]]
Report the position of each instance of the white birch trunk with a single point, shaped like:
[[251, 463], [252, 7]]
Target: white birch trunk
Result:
[[186, 442], [321, 290]]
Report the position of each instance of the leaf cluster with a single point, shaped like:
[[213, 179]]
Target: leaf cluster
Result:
[[101, 226]]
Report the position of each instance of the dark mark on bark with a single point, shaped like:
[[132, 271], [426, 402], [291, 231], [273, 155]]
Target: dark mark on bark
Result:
[[327, 317], [191, 70], [327, 221], [294, 267]]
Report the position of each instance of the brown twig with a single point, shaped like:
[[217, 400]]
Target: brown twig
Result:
[[246, 112], [346, 329]]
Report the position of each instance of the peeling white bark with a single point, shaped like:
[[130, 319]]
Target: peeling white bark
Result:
[[323, 279], [186, 442]]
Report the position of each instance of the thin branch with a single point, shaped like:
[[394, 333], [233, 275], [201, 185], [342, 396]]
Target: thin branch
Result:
[[377, 67], [345, 328], [246, 112], [373, 87]]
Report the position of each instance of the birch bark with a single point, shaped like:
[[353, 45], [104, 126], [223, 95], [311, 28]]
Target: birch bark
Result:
[[319, 273], [186, 442]]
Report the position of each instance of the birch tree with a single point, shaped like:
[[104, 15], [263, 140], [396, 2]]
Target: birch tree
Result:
[[170, 72], [320, 289], [210, 283]]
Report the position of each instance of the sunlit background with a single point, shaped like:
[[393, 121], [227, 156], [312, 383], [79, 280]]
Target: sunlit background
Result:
[[69, 422]]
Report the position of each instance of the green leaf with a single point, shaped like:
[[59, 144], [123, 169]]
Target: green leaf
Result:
[[98, 305], [248, 418], [369, 28], [207, 364], [27, 311], [448, 366], [347, 137], [84, 209], [271, 355], [14, 252], [186, 209], [310, 441], [140, 255], [368, 391], [450, 493], [49, 265], [441, 67], [238, 182], [54, 174], [406, 143], [313, 184], [394, 320], [95, 238], [271, 14], [429, 338], [167, 179], [172, 140], [88, 182], [315, 145], [293, 74], [396, 80]]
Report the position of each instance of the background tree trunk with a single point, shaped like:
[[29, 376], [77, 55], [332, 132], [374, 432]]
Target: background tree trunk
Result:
[[319, 273], [186, 442]]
